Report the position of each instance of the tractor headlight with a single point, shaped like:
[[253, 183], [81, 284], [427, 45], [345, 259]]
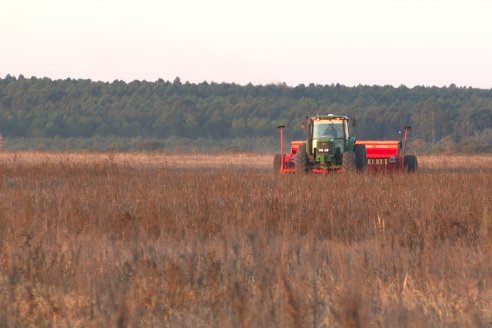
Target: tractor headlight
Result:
[[324, 147]]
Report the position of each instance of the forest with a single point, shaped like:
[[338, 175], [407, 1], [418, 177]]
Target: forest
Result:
[[41, 113]]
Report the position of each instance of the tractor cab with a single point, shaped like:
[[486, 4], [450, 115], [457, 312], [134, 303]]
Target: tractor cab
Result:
[[329, 129], [328, 139]]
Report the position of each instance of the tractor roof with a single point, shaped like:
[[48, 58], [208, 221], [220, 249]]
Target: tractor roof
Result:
[[330, 117]]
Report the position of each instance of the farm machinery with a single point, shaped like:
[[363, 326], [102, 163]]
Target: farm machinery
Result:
[[330, 148], [390, 155]]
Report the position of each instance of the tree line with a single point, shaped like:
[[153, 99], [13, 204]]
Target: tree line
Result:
[[442, 118]]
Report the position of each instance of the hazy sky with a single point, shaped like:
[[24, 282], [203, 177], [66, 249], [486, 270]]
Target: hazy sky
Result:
[[411, 42]]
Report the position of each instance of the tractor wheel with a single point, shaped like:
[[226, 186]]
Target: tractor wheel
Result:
[[348, 161], [277, 162], [360, 157], [301, 160], [410, 163]]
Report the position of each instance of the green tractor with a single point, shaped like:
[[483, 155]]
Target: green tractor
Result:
[[328, 148]]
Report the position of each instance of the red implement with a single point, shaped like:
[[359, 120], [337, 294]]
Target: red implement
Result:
[[382, 155], [389, 155]]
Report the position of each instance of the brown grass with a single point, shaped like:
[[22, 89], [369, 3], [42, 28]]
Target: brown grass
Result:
[[208, 161], [141, 160], [98, 240]]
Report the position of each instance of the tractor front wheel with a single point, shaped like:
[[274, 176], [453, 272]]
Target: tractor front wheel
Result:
[[277, 162], [360, 157], [348, 161], [410, 163], [301, 160]]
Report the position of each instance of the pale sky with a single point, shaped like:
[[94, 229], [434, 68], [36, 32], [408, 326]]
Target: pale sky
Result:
[[351, 42]]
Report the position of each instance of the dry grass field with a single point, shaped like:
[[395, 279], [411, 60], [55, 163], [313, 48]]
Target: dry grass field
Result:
[[159, 240]]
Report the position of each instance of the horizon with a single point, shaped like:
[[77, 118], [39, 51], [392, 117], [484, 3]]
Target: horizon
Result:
[[412, 43], [278, 84]]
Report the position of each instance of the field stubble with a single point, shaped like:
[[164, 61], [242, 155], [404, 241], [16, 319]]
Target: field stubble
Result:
[[104, 241]]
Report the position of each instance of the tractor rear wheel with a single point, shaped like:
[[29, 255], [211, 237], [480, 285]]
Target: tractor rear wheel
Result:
[[301, 160], [410, 163], [360, 157], [277, 162], [348, 161]]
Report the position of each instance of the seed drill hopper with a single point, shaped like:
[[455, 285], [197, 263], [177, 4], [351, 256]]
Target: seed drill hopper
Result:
[[389, 155]]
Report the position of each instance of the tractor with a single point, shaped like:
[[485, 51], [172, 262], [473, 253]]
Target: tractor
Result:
[[328, 148]]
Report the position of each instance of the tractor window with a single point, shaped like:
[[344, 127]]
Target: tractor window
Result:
[[328, 129]]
